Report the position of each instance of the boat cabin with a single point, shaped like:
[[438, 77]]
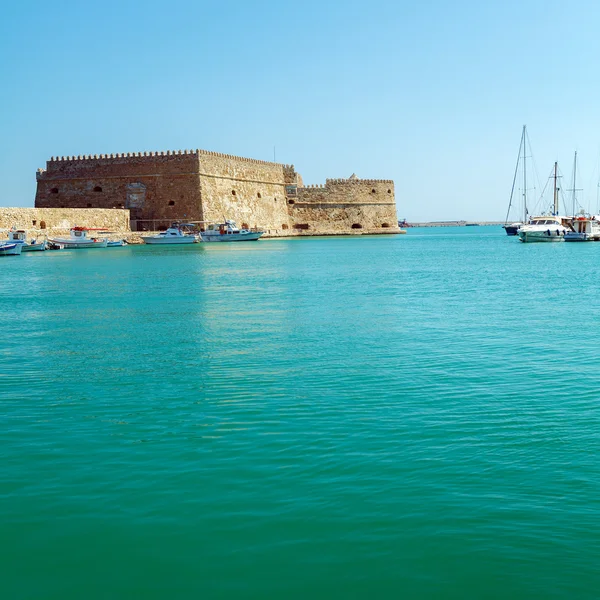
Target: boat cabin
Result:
[[227, 228], [17, 235]]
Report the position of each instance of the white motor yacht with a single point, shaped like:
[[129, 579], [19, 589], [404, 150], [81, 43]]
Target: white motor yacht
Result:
[[229, 232], [173, 235], [79, 239], [543, 229]]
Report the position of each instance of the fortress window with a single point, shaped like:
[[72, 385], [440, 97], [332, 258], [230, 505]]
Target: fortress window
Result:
[[285, 226], [233, 192], [258, 195], [33, 222], [373, 191], [301, 226], [42, 224], [171, 203], [97, 189], [389, 191], [356, 226], [385, 225], [54, 191], [245, 226], [275, 199], [291, 202]]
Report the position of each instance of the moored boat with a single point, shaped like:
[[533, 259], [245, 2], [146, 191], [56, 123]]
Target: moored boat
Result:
[[585, 229], [229, 232], [513, 228], [10, 249], [78, 240], [173, 235], [19, 236]]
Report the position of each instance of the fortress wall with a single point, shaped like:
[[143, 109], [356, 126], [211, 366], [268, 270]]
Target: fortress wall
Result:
[[154, 185], [60, 220], [345, 206], [250, 192]]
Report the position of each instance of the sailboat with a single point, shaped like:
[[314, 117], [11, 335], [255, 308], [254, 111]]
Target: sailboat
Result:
[[513, 228], [585, 228], [548, 228]]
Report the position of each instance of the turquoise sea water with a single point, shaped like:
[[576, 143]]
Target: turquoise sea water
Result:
[[390, 417]]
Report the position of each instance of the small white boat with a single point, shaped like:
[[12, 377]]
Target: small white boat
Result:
[[10, 249], [229, 232], [115, 243], [19, 236], [79, 239], [173, 235]]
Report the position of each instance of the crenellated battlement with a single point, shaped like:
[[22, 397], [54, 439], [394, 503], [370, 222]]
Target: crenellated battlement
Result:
[[161, 153], [355, 181]]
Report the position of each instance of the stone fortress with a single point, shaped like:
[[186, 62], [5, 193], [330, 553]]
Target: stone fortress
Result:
[[158, 188]]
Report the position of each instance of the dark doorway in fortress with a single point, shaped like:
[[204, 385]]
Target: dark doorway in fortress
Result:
[[356, 226], [97, 189]]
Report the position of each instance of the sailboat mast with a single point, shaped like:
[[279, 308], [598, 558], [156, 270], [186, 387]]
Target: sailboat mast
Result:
[[524, 174], [555, 189], [574, 176]]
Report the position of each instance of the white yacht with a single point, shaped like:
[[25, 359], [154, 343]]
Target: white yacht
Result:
[[173, 235], [549, 228], [543, 229], [79, 239], [229, 232]]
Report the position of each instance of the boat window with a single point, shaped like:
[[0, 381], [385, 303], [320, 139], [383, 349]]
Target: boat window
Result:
[[78, 233]]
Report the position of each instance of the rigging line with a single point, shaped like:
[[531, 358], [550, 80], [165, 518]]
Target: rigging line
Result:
[[514, 178]]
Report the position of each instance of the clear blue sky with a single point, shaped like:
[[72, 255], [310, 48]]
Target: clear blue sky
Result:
[[432, 94]]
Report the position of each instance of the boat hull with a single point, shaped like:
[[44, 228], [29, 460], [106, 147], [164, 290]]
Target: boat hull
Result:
[[511, 229], [251, 236], [10, 249], [541, 236], [71, 245], [174, 240], [574, 236], [33, 247]]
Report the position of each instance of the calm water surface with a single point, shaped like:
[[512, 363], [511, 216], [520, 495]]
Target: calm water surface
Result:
[[407, 416]]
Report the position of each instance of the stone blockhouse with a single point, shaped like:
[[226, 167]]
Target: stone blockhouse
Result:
[[201, 186]]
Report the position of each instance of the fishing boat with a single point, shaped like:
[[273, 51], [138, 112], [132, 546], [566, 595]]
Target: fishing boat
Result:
[[513, 228], [10, 249], [19, 236], [585, 229], [79, 239], [546, 228], [228, 231], [173, 235]]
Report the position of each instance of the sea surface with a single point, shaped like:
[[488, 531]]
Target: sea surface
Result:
[[410, 416]]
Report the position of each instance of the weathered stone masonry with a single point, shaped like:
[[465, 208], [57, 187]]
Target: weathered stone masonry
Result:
[[198, 185]]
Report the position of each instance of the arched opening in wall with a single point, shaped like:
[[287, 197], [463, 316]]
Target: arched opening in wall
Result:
[[301, 226], [121, 205], [33, 222], [233, 192], [258, 195], [291, 202], [373, 191], [89, 205], [244, 225], [356, 226], [42, 224], [97, 189], [285, 226], [171, 203], [389, 191], [384, 225], [54, 191]]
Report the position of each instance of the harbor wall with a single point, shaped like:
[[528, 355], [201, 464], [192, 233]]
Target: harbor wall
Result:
[[60, 220]]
